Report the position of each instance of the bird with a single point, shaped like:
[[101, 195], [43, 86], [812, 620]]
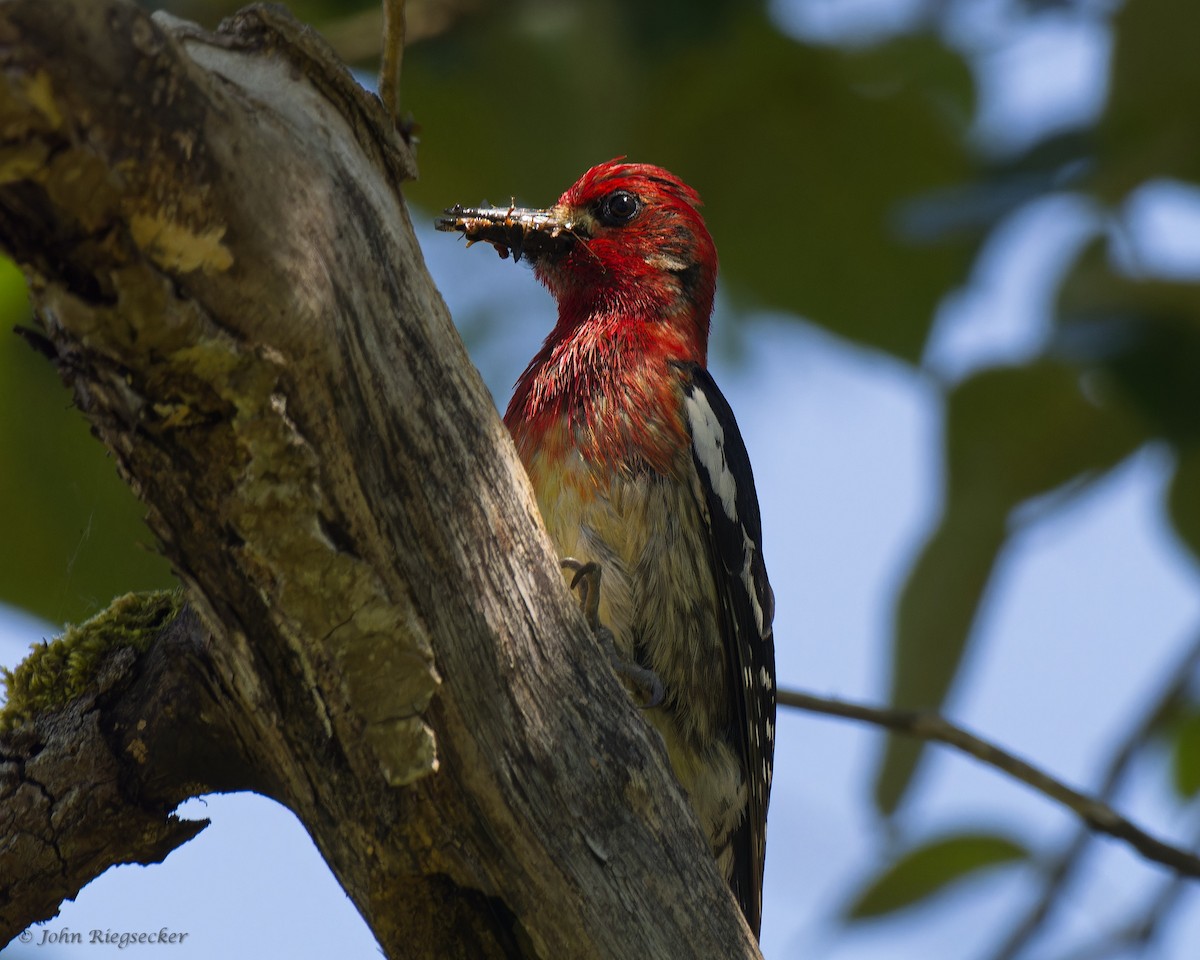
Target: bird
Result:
[[643, 481]]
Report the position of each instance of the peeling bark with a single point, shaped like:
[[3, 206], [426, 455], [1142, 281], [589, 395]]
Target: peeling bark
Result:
[[223, 266]]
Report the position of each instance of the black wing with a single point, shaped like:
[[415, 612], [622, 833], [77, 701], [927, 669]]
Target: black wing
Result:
[[747, 606]]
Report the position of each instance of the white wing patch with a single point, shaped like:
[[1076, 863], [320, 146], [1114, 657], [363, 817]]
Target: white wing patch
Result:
[[749, 551], [724, 488], [708, 439]]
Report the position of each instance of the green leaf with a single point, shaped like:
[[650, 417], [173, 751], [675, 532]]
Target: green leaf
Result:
[[1185, 757], [1019, 432], [1012, 433], [928, 869], [933, 621], [1149, 129], [1183, 498], [1139, 340], [1142, 336]]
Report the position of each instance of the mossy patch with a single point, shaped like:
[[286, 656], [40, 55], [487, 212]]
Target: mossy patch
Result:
[[58, 671]]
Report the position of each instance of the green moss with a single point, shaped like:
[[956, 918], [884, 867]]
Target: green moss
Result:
[[57, 672]]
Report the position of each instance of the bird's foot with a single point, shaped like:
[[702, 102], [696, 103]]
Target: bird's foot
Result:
[[643, 680]]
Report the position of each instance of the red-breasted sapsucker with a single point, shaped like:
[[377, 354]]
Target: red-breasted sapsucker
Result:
[[638, 465]]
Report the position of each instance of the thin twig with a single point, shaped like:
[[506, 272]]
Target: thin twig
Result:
[[1061, 872], [393, 56], [929, 726]]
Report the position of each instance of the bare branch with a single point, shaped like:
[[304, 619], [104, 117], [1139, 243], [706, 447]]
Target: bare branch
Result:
[[393, 56], [1097, 815]]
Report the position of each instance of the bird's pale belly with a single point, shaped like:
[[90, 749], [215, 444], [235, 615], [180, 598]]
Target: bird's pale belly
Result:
[[646, 534]]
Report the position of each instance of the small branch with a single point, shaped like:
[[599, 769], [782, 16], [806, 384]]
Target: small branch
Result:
[[357, 37], [929, 726], [393, 56]]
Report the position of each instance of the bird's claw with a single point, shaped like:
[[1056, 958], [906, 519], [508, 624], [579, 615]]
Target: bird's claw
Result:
[[642, 679], [587, 574]]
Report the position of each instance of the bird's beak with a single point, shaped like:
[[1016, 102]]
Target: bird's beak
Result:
[[523, 232]]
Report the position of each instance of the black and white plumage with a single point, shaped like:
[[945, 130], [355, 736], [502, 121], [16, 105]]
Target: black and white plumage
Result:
[[726, 485]]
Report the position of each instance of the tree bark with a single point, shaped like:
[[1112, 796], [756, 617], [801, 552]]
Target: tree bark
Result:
[[77, 791], [226, 276]]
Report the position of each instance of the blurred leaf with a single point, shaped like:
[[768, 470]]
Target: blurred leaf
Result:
[[1183, 498], [1142, 335], [1095, 287], [933, 621], [1140, 338], [74, 535], [1018, 432], [1185, 766], [1002, 187], [1156, 364], [806, 156], [808, 190], [1012, 433], [931, 868], [507, 107], [1150, 129]]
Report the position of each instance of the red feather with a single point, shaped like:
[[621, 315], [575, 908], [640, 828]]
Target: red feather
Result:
[[630, 300]]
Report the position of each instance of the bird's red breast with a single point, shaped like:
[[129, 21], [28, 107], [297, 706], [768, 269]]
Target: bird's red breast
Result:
[[634, 295]]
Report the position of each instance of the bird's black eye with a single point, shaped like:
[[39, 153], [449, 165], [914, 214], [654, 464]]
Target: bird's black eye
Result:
[[618, 208]]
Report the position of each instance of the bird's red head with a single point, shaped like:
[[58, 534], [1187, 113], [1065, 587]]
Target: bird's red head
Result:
[[642, 252], [628, 258], [624, 246]]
